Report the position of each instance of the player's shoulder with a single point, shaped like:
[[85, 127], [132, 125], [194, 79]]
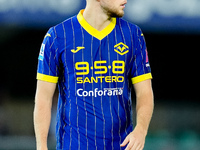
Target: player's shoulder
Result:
[[128, 25], [63, 27]]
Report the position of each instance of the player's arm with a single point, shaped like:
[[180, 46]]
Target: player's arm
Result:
[[144, 104], [42, 112], [144, 109]]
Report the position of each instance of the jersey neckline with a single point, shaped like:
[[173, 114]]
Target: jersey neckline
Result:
[[94, 32]]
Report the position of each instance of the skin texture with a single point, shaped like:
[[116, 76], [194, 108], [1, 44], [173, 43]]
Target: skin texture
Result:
[[42, 112], [144, 109], [98, 13]]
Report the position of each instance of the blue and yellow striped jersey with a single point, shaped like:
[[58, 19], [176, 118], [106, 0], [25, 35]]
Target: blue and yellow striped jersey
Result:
[[94, 70]]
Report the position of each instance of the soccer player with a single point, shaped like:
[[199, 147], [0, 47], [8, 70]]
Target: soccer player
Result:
[[95, 57]]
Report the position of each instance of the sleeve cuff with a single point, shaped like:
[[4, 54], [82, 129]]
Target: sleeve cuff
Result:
[[47, 78], [141, 78]]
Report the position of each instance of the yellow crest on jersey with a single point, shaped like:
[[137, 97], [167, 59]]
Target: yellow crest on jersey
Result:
[[121, 48]]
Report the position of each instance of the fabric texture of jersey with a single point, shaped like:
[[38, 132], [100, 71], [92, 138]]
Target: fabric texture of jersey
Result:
[[94, 71]]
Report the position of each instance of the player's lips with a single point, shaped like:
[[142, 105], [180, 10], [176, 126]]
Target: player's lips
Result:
[[123, 5]]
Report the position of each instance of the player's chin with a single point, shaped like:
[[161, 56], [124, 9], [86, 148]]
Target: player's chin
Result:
[[119, 14]]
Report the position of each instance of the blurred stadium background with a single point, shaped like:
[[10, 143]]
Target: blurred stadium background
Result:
[[172, 32]]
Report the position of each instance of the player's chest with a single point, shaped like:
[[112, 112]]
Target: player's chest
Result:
[[97, 56], [87, 55]]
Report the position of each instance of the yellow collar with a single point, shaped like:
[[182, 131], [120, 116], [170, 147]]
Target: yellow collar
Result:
[[94, 32]]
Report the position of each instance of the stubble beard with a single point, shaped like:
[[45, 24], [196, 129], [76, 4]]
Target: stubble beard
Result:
[[112, 12]]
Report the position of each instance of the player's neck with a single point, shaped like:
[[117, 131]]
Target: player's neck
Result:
[[95, 16]]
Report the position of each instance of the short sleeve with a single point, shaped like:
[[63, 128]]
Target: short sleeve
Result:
[[140, 67], [47, 61]]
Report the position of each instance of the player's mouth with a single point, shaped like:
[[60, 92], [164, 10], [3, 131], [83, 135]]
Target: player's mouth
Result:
[[123, 5]]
